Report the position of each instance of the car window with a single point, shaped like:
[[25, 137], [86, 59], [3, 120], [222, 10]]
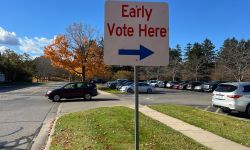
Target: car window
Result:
[[225, 88], [69, 86], [81, 85], [140, 84], [246, 88]]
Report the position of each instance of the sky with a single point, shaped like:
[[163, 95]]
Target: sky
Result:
[[29, 25]]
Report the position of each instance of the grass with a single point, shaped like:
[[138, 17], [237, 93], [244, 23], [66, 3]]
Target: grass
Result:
[[109, 90], [227, 127], [113, 128]]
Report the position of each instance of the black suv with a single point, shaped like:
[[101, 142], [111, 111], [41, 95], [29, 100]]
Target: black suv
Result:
[[73, 90], [211, 86]]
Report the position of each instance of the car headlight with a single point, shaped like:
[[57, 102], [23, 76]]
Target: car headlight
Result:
[[48, 92]]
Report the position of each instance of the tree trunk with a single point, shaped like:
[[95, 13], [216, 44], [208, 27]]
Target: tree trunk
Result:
[[83, 72], [173, 75]]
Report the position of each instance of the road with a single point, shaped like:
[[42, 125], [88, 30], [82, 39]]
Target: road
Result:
[[22, 113], [172, 96], [200, 100]]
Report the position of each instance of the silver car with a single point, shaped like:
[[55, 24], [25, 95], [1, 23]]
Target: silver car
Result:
[[142, 87], [232, 96]]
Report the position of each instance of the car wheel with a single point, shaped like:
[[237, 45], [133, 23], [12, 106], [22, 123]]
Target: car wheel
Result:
[[87, 96], [149, 91], [248, 110], [156, 85], [56, 98], [225, 110], [130, 91]]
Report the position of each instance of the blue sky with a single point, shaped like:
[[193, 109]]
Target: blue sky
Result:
[[29, 25]]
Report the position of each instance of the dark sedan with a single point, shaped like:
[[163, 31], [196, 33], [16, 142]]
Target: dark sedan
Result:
[[191, 85], [211, 86], [73, 90]]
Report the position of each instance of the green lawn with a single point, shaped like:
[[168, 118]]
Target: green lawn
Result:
[[109, 90], [230, 128], [113, 128]]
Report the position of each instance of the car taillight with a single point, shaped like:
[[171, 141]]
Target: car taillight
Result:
[[234, 96]]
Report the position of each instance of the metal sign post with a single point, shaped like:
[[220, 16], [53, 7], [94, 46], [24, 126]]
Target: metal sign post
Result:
[[136, 34], [136, 108]]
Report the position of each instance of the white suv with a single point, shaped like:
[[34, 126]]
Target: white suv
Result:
[[232, 96]]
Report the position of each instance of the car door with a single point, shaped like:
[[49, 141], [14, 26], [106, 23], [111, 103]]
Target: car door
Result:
[[81, 89], [69, 91], [140, 87], [144, 87]]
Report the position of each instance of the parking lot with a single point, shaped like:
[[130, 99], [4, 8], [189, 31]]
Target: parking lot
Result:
[[200, 100]]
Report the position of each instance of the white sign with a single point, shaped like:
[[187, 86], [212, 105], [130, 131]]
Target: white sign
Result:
[[136, 33]]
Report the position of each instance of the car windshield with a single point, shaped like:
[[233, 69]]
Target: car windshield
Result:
[[225, 88]]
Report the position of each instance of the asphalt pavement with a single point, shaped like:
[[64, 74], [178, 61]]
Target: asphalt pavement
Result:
[[22, 113], [172, 96], [25, 111]]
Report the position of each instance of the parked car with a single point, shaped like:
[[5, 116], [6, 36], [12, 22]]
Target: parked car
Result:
[[170, 84], [121, 83], [142, 87], [156, 83], [183, 85], [97, 80], [211, 86], [124, 84], [232, 96], [191, 85], [199, 87], [176, 86], [112, 84], [73, 90]]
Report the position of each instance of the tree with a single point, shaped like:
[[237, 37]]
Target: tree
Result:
[[77, 51], [43, 68], [194, 60], [235, 57], [209, 61], [200, 60], [16, 67], [175, 61]]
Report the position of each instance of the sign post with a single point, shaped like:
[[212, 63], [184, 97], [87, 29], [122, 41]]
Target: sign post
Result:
[[136, 108], [136, 34]]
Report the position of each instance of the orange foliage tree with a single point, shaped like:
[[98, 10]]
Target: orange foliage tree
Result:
[[78, 53]]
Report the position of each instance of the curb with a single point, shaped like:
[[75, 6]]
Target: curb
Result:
[[105, 93], [49, 140], [40, 139]]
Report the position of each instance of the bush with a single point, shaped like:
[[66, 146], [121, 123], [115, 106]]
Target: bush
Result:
[[123, 75]]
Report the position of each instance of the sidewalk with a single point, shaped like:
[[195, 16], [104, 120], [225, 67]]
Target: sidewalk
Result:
[[204, 137]]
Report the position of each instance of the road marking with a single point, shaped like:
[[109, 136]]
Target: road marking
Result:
[[217, 110], [207, 108]]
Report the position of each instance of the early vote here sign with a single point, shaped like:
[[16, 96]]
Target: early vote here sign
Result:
[[136, 33]]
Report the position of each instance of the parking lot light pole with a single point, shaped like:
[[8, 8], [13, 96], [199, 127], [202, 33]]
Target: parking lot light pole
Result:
[[136, 108]]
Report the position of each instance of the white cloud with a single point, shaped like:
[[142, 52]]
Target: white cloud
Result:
[[33, 45], [3, 48], [8, 38]]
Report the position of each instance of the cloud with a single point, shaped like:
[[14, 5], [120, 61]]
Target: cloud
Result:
[[8, 38], [33, 45], [3, 48]]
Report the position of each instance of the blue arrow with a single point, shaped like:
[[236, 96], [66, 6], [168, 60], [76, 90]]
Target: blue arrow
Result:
[[143, 52]]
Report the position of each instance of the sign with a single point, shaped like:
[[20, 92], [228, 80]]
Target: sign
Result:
[[136, 33]]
